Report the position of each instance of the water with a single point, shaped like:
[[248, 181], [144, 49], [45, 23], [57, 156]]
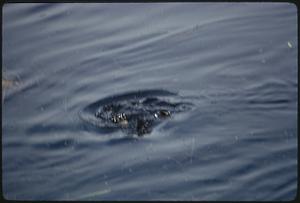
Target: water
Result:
[[236, 62]]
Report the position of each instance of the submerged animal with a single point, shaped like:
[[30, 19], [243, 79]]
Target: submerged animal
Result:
[[135, 112]]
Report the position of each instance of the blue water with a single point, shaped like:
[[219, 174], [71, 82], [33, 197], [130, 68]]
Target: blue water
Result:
[[236, 62]]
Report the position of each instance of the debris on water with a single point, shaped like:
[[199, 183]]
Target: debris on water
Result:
[[7, 83], [290, 44]]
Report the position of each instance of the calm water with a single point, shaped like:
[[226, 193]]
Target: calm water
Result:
[[237, 64]]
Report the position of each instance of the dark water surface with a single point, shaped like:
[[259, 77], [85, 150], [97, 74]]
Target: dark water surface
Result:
[[235, 62]]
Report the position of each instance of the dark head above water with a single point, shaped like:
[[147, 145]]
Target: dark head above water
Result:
[[132, 116], [136, 112]]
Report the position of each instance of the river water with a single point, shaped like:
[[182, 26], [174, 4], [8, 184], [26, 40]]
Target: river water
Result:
[[236, 62]]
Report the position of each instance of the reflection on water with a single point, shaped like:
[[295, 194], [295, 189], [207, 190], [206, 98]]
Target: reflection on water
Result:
[[236, 63]]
